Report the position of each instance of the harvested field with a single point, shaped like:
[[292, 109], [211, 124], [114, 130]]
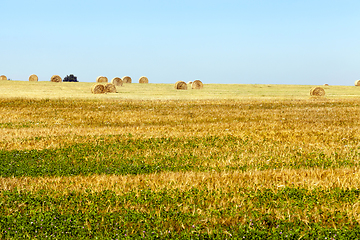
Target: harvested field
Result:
[[269, 163], [80, 90]]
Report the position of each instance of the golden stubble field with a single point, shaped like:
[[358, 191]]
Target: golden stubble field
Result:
[[135, 91], [38, 115], [266, 137]]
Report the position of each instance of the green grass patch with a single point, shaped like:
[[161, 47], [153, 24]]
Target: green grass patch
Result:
[[126, 155], [290, 213]]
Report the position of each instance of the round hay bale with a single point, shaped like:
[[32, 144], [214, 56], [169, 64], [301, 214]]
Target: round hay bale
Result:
[[101, 79], [175, 86], [56, 78], [317, 91], [126, 79], [357, 83], [110, 88], [3, 77], [197, 84], [181, 85], [33, 78], [98, 88], [117, 81], [189, 83], [326, 85], [143, 80]]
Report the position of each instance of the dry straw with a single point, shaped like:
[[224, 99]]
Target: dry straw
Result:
[[117, 81], [317, 91], [33, 78], [357, 83], [143, 80], [126, 79], [3, 77], [189, 83], [110, 88], [180, 85], [98, 88], [101, 79], [56, 78], [197, 84]]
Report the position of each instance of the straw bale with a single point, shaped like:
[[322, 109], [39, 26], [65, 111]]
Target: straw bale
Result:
[[56, 78], [197, 84], [101, 79], [126, 79], [175, 86], [110, 88], [3, 77], [189, 83], [326, 85], [180, 85], [98, 88], [317, 91], [143, 80], [33, 78], [117, 81], [357, 83]]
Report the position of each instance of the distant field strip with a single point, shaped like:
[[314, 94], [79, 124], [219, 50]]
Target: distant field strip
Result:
[[82, 90]]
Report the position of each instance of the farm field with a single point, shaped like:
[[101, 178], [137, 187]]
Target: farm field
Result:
[[227, 161], [136, 91]]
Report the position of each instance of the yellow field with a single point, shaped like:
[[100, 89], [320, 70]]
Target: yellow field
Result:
[[81, 90], [225, 140]]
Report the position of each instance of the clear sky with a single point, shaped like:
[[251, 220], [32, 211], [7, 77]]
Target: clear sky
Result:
[[243, 41]]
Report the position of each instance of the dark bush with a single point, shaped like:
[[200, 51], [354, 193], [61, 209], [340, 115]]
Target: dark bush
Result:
[[70, 78]]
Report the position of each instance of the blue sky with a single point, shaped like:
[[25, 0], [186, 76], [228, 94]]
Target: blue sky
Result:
[[244, 41]]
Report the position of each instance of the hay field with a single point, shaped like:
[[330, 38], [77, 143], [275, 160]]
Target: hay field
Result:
[[262, 164], [81, 90]]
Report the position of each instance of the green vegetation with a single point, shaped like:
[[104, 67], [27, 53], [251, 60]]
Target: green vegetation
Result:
[[178, 214], [123, 155]]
